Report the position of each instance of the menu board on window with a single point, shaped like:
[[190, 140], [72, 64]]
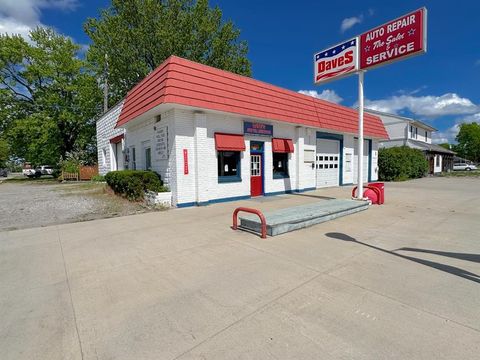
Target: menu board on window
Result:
[[161, 142]]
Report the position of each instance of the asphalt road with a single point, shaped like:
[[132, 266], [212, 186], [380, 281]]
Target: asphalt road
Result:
[[399, 281]]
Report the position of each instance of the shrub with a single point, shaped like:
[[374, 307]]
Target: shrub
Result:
[[70, 166], [98, 178], [133, 183], [401, 163]]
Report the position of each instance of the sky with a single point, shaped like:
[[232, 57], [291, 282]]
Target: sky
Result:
[[440, 87]]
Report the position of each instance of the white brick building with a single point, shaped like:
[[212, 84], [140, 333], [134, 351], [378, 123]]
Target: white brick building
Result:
[[216, 136]]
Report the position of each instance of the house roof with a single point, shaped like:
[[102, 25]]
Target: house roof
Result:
[[415, 122], [184, 82], [429, 147]]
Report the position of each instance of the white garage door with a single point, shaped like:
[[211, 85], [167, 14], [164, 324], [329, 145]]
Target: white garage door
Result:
[[365, 161], [327, 163]]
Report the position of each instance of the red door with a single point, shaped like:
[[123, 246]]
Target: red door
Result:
[[256, 180]]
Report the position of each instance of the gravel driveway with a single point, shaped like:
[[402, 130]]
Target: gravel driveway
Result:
[[33, 203]]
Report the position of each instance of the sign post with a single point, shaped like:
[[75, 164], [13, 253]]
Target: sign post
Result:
[[398, 39], [360, 136]]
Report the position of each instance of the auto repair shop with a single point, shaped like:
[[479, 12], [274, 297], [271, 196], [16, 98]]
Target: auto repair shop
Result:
[[216, 136]]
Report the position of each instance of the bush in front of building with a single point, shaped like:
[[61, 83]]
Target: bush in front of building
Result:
[[132, 184], [401, 163]]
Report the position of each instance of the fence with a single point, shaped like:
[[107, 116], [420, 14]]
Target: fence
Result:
[[84, 173]]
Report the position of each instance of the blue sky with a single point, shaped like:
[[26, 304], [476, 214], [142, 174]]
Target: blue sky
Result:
[[440, 87]]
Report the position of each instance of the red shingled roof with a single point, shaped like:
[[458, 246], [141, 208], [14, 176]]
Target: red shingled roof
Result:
[[184, 82]]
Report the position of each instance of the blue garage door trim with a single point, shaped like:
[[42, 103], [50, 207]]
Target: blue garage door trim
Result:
[[369, 160], [330, 136], [369, 142]]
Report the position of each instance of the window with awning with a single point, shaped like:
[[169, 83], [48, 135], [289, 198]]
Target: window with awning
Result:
[[229, 147], [229, 142], [282, 145]]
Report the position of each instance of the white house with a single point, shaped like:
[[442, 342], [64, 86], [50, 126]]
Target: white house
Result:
[[403, 131], [216, 136]]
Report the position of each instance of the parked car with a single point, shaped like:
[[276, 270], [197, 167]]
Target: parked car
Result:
[[464, 167], [31, 172], [3, 172], [46, 169]]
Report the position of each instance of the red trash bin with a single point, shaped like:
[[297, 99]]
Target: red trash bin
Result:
[[380, 186]]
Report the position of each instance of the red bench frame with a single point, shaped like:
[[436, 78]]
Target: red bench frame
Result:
[[251, 211]]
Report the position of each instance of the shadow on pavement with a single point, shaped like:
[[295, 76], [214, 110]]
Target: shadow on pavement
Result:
[[314, 196], [461, 256], [442, 267]]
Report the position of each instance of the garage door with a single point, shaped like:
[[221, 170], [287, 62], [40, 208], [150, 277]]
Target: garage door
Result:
[[365, 161], [327, 163]]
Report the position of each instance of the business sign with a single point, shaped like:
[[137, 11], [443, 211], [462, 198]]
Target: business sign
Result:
[[185, 162], [335, 62], [251, 128], [395, 40], [161, 142]]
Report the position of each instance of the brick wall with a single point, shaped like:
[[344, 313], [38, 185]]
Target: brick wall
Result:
[[141, 136], [106, 131]]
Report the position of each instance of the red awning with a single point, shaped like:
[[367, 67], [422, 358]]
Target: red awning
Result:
[[116, 139], [229, 142], [282, 145]]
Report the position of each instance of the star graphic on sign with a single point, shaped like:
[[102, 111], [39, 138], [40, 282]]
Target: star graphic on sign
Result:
[[353, 42], [367, 48], [326, 54], [411, 32], [333, 51], [343, 47]]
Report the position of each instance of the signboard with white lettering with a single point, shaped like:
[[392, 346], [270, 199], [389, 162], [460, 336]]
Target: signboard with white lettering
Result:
[[335, 62], [161, 142], [395, 40], [250, 128]]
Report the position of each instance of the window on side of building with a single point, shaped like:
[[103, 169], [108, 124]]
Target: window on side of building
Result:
[[148, 158], [228, 164], [134, 158], [416, 133], [104, 156], [280, 165], [411, 131], [437, 160]]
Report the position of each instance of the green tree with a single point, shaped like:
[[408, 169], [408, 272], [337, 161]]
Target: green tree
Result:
[[48, 99], [135, 36], [4, 153], [468, 139]]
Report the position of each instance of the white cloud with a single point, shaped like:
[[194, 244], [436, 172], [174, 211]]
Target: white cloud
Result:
[[446, 136], [428, 106], [348, 23], [22, 16], [449, 135], [329, 95]]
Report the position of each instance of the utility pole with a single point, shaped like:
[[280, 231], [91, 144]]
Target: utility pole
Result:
[[105, 86]]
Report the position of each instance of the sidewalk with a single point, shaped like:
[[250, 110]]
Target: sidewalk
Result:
[[397, 281]]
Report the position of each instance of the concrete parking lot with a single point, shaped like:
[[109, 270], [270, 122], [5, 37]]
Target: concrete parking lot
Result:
[[399, 281]]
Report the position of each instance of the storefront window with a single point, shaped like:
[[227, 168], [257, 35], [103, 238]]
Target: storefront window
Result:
[[228, 166], [134, 159], [148, 159], [280, 165]]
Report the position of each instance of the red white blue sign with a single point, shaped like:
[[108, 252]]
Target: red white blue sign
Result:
[[251, 128], [335, 62], [398, 39]]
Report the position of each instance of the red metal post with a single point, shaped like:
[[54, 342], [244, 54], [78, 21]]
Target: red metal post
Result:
[[251, 211]]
